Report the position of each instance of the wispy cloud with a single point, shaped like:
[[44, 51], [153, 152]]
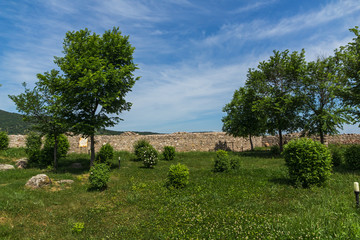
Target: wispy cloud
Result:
[[253, 6], [259, 29]]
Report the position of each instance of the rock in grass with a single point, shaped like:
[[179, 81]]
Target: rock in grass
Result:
[[6, 167], [38, 181], [67, 181], [21, 163]]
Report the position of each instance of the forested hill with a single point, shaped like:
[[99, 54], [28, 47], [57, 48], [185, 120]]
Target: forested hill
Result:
[[12, 123]]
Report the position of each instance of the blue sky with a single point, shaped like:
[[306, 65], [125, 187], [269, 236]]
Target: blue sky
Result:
[[192, 55]]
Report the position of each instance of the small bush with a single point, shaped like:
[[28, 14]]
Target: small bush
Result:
[[33, 148], [106, 154], [148, 155], [308, 162], [352, 157], [4, 141], [140, 144], [99, 176], [337, 154], [275, 150], [234, 163], [178, 176], [47, 153], [222, 161], [169, 153]]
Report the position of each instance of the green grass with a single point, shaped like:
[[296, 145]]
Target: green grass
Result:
[[256, 202]]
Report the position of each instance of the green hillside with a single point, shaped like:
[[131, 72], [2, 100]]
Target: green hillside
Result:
[[12, 123]]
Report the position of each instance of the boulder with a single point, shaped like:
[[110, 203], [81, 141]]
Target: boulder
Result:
[[21, 163], [6, 167], [38, 181]]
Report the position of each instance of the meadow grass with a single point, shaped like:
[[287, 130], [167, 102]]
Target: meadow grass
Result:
[[255, 202]]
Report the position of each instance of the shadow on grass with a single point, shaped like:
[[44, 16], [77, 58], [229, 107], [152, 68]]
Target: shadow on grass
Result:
[[258, 154], [281, 181]]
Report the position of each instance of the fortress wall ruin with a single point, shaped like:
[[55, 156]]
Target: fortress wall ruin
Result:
[[185, 142]]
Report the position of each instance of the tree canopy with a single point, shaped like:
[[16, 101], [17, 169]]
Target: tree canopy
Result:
[[97, 75], [242, 120], [41, 107], [273, 82]]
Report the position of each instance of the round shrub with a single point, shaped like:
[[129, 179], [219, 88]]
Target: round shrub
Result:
[[99, 176], [222, 161], [352, 157], [337, 155], [33, 148], [148, 155], [308, 162], [234, 163], [275, 150], [106, 154], [4, 140], [169, 153], [140, 144], [178, 176], [47, 156]]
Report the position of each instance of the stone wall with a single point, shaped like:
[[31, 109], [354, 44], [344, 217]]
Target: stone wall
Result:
[[184, 142]]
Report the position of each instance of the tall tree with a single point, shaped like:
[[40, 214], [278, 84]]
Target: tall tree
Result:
[[242, 120], [349, 56], [273, 81], [98, 73], [41, 107], [324, 112]]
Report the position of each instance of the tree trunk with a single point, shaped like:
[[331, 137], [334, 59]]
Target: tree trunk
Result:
[[55, 151], [280, 140], [251, 143], [92, 150]]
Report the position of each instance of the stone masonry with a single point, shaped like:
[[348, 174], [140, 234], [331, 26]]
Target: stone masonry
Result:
[[184, 142]]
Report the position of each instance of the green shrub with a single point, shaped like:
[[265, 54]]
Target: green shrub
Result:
[[352, 157], [222, 161], [4, 140], [337, 154], [33, 148], [140, 144], [99, 176], [234, 163], [169, 153], [47, 153], [148, 155], [275, 150], [106, 154], [308, 162], [178, 176]]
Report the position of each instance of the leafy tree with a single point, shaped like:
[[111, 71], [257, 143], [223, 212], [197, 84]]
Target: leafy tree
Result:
[[98, 73], [323, 109], [274, 81], [242, 120], [349, 56], [41, 107]]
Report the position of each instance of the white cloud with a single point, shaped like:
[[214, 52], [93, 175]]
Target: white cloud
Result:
[[253, 6], [259, 29]]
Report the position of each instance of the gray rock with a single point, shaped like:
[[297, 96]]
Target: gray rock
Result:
[[6, 167], [66, 181], [21, 163], [38, 181]]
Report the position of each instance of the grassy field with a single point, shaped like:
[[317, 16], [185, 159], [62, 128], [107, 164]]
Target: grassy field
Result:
[[256, 202]]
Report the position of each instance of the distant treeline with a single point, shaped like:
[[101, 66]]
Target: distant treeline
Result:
[[13, 124]]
